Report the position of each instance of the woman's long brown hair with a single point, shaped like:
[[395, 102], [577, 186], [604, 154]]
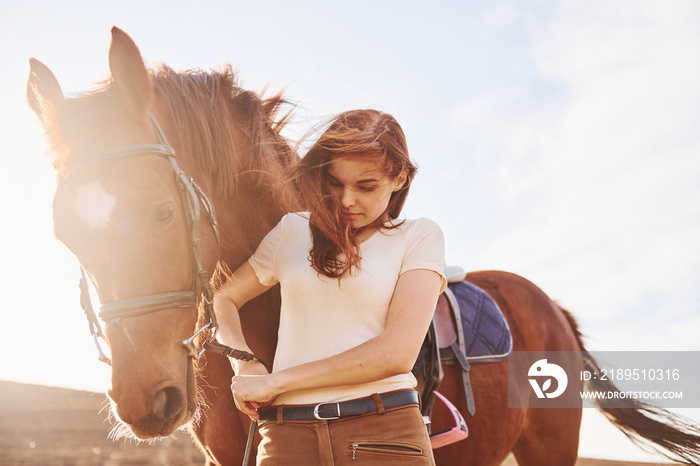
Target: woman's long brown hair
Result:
[[357, 133]]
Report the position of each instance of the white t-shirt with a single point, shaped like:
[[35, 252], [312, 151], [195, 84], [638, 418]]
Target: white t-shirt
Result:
[[321, 317]]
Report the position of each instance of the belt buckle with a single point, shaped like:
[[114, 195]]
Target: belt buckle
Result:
[[318, 416]]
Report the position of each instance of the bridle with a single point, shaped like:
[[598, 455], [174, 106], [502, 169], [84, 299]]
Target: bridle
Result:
[[192, 198]]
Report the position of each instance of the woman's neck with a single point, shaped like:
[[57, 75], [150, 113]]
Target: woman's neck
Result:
[[361, 234]]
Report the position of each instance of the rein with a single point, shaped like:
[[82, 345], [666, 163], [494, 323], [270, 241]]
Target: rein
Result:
[[192, 198]]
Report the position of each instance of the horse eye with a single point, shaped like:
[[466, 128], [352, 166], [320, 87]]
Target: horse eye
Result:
[[165, 212]]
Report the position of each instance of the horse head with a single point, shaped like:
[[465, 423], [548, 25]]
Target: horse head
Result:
[[140, 225]]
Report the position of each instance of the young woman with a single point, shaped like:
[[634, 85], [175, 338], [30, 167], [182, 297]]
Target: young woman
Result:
[[359, 287]]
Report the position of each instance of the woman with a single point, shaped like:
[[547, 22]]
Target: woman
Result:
[[359, 288]]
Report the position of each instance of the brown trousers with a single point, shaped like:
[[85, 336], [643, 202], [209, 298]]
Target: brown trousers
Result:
[[396, 436]]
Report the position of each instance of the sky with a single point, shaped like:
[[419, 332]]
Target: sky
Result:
[[556, 139]]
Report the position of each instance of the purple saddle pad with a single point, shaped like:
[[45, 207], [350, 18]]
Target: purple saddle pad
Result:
[[486, 333]]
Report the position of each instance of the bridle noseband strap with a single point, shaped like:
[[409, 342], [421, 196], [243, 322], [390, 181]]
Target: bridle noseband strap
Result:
[[146, 304]]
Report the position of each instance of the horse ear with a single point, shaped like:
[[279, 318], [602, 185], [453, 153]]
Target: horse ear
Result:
[[43, 90], [128, 71]]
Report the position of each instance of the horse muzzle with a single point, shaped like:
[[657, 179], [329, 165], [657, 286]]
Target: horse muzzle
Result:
[[157, 412]]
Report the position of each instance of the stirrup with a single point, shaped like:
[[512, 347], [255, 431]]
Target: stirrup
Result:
[[457, 433]]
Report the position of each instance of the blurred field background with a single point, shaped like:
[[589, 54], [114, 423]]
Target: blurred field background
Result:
[[56, 426]]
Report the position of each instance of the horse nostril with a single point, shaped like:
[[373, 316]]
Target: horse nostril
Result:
[[167, 403]]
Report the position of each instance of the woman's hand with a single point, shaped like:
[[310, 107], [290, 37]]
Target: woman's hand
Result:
[[252, 388]]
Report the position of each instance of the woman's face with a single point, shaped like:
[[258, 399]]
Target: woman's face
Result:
[[362, 188]]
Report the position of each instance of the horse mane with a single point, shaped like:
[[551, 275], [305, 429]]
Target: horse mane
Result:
[[199, 103]]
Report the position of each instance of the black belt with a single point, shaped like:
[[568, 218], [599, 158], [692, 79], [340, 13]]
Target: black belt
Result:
[[330, 411]]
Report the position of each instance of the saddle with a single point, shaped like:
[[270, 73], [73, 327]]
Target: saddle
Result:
[[468, 328]]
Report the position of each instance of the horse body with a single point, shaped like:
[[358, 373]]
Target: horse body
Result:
[[123, 220]]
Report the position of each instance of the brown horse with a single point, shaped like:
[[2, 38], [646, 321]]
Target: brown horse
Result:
[[119, 207]]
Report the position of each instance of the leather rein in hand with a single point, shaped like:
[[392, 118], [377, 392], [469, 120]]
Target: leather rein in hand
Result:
[[192, 197]]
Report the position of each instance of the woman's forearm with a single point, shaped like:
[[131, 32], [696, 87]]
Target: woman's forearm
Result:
[[376, 359]]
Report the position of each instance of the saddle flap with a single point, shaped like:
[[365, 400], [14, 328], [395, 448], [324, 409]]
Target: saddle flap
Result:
[[444, 323]]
